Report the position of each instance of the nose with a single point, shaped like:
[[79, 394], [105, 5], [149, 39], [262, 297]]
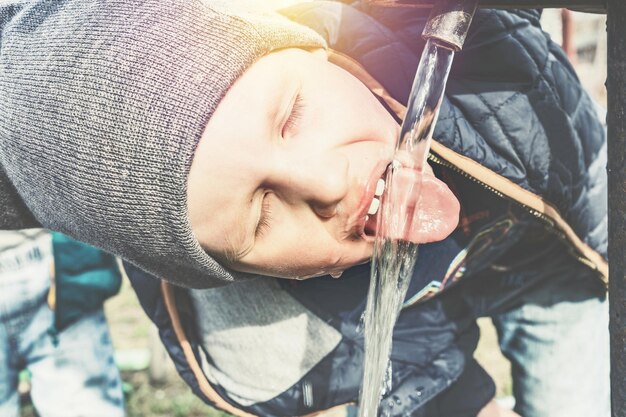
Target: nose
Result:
[[321, 181]]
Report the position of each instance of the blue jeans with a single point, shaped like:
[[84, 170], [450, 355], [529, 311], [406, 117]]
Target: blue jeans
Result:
[[76, 377], [558, 345]]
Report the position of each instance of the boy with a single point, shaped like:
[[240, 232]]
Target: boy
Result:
[[302, 179]]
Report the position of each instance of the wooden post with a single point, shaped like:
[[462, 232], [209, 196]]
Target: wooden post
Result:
[[616, 120], [567, 32]]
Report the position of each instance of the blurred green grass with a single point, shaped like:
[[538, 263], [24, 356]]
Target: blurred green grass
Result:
[[170, 399]]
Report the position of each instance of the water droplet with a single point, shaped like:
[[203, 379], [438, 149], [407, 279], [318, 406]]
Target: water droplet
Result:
[[388, 379], [361, 326]]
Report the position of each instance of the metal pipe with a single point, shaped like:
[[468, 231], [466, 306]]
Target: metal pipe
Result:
[[445, 32], [449, 22], [592, 6], [616, 121]]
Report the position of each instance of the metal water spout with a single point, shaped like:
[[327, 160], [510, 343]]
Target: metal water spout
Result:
[[445, 33]]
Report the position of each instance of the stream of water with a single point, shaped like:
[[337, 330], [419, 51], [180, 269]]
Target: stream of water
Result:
[[393, 259]]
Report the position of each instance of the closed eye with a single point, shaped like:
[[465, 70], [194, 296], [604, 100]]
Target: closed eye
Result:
[[295, 116], [265, 219]]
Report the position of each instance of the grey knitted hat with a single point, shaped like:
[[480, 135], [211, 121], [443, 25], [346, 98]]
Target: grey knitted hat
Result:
[[103, 103]]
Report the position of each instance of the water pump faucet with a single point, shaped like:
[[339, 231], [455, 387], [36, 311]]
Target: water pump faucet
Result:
[[445, 33], [449, 22]]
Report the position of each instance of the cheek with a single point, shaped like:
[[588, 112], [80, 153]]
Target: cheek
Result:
[[308, 249], [319, 256], [300, 250]]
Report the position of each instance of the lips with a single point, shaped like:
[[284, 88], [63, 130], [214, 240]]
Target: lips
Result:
[[418, 207]]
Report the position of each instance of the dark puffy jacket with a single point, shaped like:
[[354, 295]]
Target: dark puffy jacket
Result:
[[520, 144]]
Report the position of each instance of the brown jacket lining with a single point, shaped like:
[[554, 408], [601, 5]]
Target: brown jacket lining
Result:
[[170, 304], [465, 164], [203, 383]]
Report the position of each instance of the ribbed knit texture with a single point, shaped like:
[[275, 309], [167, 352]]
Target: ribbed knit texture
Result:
[[102, 105]]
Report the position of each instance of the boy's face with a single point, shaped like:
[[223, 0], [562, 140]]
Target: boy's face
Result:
[[286, 170]]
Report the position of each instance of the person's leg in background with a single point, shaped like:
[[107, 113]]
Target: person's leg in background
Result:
[[558, 345], [9, 398], [25, 258], [77, 376]]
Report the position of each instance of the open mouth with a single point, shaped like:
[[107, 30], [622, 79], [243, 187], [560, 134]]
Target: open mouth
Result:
[[414, 219]]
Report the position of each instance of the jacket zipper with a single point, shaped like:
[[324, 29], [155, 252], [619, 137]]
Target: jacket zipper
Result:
[[548, 223]]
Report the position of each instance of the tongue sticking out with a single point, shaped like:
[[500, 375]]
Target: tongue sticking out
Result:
[[432, 219]]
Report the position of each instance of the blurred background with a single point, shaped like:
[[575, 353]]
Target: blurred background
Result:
[[152, 387]]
